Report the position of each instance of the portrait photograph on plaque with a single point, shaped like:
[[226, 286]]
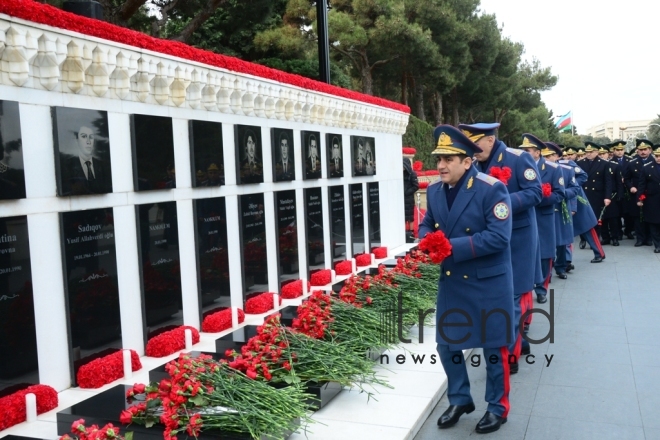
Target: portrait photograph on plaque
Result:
[[18, 340], [311, 149], [82, 151], [153, 152], [90, 274], [314, 230], [249, 154], [335, 162], [363, 156], [212, 255], [12, 174], [357, 218], [287, 236], [207, 159], [160, 266], [374, 214], [337, 223], [254, 254], [283, 161]]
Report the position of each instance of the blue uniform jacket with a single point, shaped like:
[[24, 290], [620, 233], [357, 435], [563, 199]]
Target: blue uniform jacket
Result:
[[563, 216], [545, 210], [476, 279], [584, 218], [524, 188]]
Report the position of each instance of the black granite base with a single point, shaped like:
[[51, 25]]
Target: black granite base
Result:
[[108, 405], [236, 339], [323, 394], [159, 373], [288, 314]]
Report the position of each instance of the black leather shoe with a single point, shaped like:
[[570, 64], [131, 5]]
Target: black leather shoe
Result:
[[569, 267], [605, 242], [541, 299], [489, 423], [583, 244], [638, 244], [562, 276], [597, 260], [453, 413], [615, 242], [656, 251], [513, 368], [526, 349], [630, 236], [648, 243]]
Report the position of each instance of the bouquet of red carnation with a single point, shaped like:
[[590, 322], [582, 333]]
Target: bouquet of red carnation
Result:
[[220, 321], [547, 189], [170, 341], [82, 432], [344, 267], [293, 289], [437, 246], [260, 304], [503, 174], [321, 277], [379, 252], [12, 406], [102, 371], [363, 260]]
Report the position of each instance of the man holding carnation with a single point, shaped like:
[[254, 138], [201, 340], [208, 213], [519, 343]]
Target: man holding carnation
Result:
[[475, 290]]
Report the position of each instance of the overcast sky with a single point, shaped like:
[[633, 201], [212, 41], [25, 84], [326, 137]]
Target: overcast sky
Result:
[[606, 54]]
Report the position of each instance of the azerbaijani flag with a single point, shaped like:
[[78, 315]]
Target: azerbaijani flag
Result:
[[565, 122]]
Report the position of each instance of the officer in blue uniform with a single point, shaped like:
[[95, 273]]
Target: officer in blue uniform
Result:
[[524, 188], [545, 210], [473, 210]]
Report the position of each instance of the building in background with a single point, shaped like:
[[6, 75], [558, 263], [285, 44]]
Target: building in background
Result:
[[625, 130]]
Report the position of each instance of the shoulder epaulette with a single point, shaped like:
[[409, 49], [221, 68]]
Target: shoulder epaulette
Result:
[[552, 164], [647, 164], [435, 183], [565, 166], [486, 178], [514, 151]]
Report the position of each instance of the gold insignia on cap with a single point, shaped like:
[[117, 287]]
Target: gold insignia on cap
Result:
[[570, 151], [445, 146], [547, 152], [470, 181], [474, 137], [213, 167], [444, 140], [527, 143], [643, 145]]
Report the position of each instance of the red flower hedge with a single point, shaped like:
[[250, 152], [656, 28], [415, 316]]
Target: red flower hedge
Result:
[[260, 304], [321, 278], [220, 321], [436, 245], [344, 267], [409, 150], [51, 16], [379, 252], [293, 290], [363, 260], [503, 174], [423, 185], [547, 189], [170, 341], [106, 369], [12, 407]]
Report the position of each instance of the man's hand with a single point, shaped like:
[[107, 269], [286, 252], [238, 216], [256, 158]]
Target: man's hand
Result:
[[607, 202], [640, 203], [572, 212], [633, 190]]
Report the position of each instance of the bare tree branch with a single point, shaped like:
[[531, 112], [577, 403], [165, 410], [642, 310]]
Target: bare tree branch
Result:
[[199, 19], [380, 62], [129, 8], [158, 24]]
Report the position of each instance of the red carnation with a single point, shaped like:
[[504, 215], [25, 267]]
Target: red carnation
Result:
[[363, 260], [321, 277], [293, 289], [409, 150], [437, 246], [106, 369], [547, 189], [220, 321], [344, 268], [642, 197], [259, 304], [379, 252], [418, 165], [503, 174], [170, 341]]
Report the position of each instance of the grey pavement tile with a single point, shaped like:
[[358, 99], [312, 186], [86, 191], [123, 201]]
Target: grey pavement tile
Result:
[[591, 303], [594, 333], [584, 350], [643, 336], [549, 428], [642, 303], [641, 319], [652, 433], [589, 373], [633, 292], [593, 405], [646, 380], [648, 405], [611, 316], [644, 355], [513, 429], [605, 294]]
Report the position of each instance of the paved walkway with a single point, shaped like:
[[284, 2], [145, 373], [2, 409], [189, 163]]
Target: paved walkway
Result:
[[604, 378]]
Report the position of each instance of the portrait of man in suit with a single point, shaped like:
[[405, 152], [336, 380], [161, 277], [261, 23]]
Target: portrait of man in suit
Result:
[[283, 155], [83, 151], [335, 163], [313, 159], [359, 161], [251, 166]]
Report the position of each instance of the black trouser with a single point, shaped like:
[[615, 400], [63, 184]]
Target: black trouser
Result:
[[628, 224], [642, 231], [610, 229], [655, 234]]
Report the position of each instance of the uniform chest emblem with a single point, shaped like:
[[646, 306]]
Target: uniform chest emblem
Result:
[[501, 211], [561, 181], [530, 174], [577, 170]]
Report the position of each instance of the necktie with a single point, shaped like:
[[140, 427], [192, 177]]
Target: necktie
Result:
[[284, 167], [90, 175]]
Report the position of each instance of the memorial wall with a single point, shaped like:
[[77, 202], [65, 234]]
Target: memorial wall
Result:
[[141, 191]]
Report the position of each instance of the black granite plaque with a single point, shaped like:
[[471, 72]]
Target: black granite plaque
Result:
[[207, 160], [153, 152], [82, 151], [161, 266], [311, 153], [18, 342], [212, 254], [357, 218], [363, 156], [253, 244], [283, 160], [90, 272], [249, 154], [314, 229], [333, 147], [337, 223], [12, 176], [374, 214], [287, 236]]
